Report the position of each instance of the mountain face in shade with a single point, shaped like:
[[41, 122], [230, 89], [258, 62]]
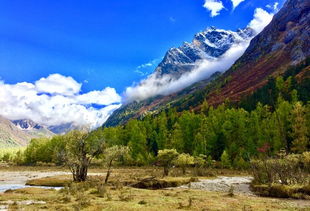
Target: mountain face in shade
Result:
[[209, 44], [32, 128], [27, 124], [284, 42], [65, 128]]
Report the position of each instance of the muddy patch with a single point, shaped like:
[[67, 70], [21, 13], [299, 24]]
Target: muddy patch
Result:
[[154, 183]]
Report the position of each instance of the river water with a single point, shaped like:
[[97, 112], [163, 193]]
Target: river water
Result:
[[17, 179]]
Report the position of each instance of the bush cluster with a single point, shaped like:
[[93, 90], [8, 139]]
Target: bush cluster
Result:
[[288, 170]]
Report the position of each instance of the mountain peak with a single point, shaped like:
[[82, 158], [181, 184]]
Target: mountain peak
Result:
[[27, 124], [209, 44]]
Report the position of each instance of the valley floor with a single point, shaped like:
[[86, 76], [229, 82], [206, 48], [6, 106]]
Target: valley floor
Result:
[[117, 196]]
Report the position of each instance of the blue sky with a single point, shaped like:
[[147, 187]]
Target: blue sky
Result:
[[71, 60], [102, 42]]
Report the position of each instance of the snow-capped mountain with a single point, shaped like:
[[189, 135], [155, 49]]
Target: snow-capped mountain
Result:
[[32, 128], [209, 44]]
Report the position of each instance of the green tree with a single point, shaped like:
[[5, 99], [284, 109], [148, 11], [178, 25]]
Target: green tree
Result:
[[300, 133], [183, 160], [38, 151], [81, 147], [136, 138], [165, 158], [225, 160], [282, 115]]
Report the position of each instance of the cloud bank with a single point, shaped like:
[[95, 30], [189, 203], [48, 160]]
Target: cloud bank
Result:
[[57, 100], [261, 19], [144, 69], [236, 3], [274, 7], [214, 6], [155, 85]]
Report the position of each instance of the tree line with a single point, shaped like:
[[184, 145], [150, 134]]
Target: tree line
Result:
[[233, 134], [226, 135]]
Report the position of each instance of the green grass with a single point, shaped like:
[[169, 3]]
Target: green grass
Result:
[[55, 181]]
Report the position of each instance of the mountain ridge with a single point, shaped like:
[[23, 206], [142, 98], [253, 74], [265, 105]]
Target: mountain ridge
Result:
[[284, 42]]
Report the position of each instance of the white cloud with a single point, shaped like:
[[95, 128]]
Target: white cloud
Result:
[[58, 84], [54, 107], [236, 3], [105, 97], [155, 84], [172, 19], [214, 6], [144, 69], [274, 7], [165, 85], [261, 19]]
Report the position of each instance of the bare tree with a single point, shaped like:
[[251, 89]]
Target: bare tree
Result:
[[111, 155]]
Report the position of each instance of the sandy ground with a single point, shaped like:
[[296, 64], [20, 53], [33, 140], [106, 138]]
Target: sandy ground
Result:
[[20, 177]]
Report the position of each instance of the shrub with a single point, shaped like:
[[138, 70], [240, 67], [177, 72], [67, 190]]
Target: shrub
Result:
[[289, 170], [240, 163]]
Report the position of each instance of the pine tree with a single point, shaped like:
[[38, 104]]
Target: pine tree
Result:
[[300, 133], [225, 160]]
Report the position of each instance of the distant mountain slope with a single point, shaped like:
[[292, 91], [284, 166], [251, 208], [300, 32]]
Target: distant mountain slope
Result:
[[284, 42], [65, 128], [20, 132], [10, 135], [32, 128]]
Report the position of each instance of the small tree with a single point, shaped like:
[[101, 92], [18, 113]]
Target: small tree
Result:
[[225, 161], [81, 147], [300, 132], [113, 154], [184, 160], [166, 158]]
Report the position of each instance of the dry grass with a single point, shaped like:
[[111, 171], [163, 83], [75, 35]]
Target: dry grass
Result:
[[140, 199]]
